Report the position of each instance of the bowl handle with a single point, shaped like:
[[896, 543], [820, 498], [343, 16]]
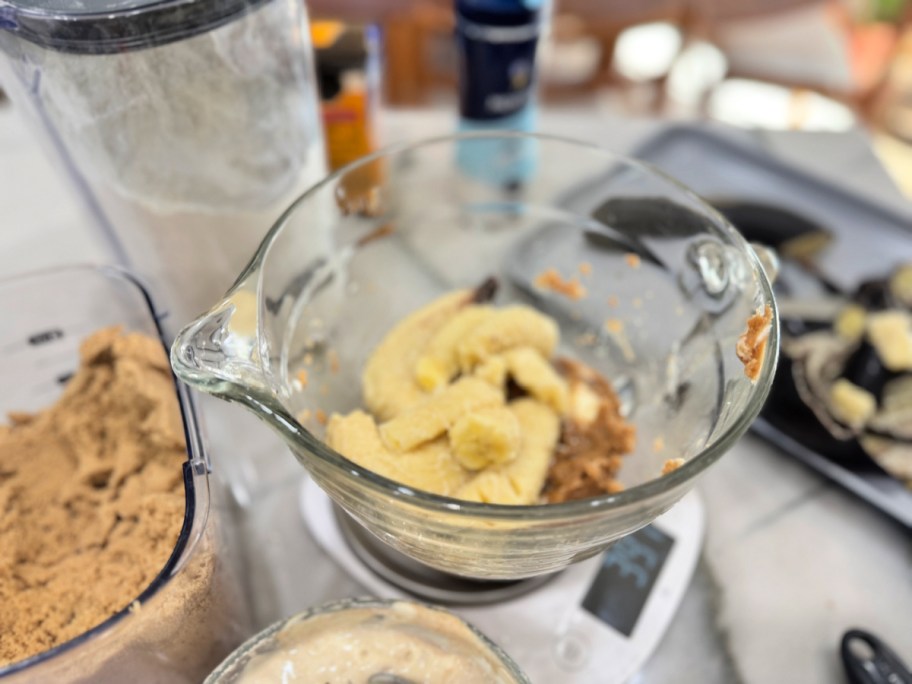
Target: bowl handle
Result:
[[769, 259]]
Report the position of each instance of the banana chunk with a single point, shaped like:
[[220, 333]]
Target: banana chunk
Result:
[[853, 405], [520, 481], [440, 362], [389, 381], [437, 413], [493, 371], [890, 333], [513, 326], [531, 371], [430, 467], [584, 404], [485, 437]]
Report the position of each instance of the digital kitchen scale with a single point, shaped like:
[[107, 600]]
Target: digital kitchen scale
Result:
[[595, 621]]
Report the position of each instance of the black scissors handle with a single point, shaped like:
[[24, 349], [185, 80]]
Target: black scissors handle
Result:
[[868, 660]]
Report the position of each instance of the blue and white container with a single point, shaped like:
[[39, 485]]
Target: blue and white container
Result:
[[496, 41]]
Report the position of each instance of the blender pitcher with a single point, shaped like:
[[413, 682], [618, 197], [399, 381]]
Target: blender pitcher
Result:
[[670, 288], [185, 125]]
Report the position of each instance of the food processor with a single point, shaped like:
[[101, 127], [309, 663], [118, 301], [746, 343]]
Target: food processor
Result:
[[669, 291], [195, 610]]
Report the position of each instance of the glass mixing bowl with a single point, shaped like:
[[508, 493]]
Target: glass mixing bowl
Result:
[[274, 649], [669, 287]]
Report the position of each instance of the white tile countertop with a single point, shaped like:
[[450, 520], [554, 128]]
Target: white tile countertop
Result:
[[790, 561]]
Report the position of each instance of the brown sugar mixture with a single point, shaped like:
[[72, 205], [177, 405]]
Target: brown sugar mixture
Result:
[[593, 438], [571, 288], [91, 494], [752, 343]]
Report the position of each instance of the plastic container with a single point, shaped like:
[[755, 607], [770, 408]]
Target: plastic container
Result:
[[195, 611], [186, 125], [669, 288], [496, 41], [439, 628]]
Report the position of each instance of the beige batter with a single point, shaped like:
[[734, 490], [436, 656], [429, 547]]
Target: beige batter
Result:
[[410, 641]]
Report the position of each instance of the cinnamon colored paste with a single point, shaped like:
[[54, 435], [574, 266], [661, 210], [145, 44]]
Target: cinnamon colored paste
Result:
[[752, 344], [589, 453]]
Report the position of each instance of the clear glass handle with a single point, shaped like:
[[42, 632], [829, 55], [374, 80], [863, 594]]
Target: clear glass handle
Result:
[[769, 259]]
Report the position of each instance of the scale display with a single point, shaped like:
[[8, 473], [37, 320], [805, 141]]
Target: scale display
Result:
[[625, 579]]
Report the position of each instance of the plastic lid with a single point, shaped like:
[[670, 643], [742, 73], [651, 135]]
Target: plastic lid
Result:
[[502, 5], [108, 26]]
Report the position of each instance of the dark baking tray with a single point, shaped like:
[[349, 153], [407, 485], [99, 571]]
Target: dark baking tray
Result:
[[868, 239]]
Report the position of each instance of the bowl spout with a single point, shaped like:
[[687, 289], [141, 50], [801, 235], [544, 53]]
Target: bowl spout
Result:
[[219, 352]]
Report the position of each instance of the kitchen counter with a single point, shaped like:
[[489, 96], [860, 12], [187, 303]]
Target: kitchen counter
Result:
[[790, 561]]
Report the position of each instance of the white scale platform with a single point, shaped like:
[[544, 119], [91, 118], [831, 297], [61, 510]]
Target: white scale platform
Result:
[[596, 621]]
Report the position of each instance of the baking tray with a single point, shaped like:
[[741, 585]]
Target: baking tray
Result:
[[869, 238]]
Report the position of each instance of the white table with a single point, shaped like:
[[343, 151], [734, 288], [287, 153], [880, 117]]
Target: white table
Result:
[[790, 561]]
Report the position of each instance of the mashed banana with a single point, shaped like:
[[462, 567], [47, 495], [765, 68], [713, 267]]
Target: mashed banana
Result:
[[442, 389]]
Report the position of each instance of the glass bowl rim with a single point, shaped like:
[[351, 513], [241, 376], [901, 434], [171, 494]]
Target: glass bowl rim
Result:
[[357, 602]]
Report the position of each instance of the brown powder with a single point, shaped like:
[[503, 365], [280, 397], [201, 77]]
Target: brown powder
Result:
[[92, 496], [589, 455]]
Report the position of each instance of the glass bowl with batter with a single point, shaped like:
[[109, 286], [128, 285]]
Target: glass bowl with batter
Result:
[[646, 283], [369, 640]]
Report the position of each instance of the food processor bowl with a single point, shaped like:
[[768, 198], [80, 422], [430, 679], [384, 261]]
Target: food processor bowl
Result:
[[195, 610], [407, 617], [662, 289]]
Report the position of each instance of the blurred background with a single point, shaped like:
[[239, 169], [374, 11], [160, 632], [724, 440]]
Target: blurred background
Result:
[[773, 64]]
